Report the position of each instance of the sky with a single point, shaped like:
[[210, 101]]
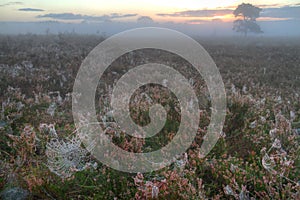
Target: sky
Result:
[[193, 17], [178, 11]]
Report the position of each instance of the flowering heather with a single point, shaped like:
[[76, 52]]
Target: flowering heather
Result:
[[256, 156]]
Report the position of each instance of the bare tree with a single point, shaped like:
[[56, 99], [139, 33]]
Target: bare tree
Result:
[[247, 14]]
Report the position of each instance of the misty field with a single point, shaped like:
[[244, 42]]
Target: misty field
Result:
[[257, 156]]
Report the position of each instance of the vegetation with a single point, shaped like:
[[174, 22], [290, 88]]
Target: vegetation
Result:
[[257, 156], [247, 23]]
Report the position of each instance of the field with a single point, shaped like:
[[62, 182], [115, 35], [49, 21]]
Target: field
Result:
[[256, 157]]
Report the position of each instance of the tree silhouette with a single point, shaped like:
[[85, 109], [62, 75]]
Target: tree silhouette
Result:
[[247, 21]]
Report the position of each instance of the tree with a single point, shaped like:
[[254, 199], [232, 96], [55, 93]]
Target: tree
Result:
[[247, 14]]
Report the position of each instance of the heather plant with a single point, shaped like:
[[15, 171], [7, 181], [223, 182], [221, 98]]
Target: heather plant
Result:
[[256, 157]]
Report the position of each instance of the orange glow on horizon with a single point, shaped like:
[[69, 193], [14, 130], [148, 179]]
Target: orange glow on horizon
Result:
[[197, 20], [222, 18]]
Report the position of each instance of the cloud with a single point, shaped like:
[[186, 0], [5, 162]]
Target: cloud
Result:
[[72, 16], [145, 19], [289, 12], [31, 9], [64, 16], [268, 5], [116, 15], [196, 21], [12, 3], [201, 21], [198, 13]]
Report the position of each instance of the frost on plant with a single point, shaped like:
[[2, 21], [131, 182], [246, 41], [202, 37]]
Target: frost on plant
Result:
[[65, 158], [51, 109], [228, 190], [48, 129], [268, 163]]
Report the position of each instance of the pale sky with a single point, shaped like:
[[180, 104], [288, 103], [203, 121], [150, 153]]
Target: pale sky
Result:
[[130, 10]]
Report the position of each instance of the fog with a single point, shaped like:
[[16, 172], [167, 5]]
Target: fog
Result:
[[107, 28]]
